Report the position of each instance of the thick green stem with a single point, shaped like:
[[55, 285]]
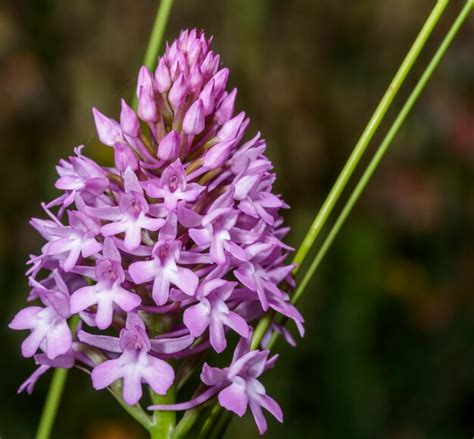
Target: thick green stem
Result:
[[156, 38], [382, 149], [368, 134], [54, 396], [163, 421], [359, 149]]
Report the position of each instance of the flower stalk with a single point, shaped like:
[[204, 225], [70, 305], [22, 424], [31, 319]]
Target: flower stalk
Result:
[[382, 149], [378, 156], [55, 391], [367, 135], [357, 153]]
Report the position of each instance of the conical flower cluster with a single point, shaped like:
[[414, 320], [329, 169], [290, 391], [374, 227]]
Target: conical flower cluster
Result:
[[174, 251]]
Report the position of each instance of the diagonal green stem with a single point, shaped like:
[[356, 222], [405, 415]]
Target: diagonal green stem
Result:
[[54, 396], [382, 149], [156, 38], [368, 134], [359, 149]]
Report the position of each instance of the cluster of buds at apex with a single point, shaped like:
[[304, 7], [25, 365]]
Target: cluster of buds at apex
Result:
[[175, 251]]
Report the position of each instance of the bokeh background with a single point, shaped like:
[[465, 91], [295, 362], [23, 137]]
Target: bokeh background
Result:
[[389, 350]]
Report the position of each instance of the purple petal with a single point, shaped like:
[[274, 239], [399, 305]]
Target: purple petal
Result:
[[106, 373], [143, 271], [169, 147], [217, 335], [83, 299], [193, 122], [129, 120], [132, 388], [237, 323], [159, 375], [186, 280], [234, 398], [105, 312], [161, 289], [25, 318], [58, 339], [108, 130], [258, 416], [105, 342], [196, 318], [272, 406]]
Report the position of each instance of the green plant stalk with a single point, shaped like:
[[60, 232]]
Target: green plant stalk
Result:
[[368, 134], [135, 411], [156, 38], [382, 149], [164, 421], [359, 149], [210, 422], [54, 396]]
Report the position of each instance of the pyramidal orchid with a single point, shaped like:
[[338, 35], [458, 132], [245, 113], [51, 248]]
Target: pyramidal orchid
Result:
[[173, 252]]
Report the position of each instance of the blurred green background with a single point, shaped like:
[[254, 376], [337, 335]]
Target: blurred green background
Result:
[[389, 350]]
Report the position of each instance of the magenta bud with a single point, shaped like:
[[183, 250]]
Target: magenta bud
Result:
[[179, 65], [209, 65], [194, 51], [231, 128], [147, 109], [193, 122], [218, 154], [129, 120], [177, 93], [168, 149], [226, 108], [220, 81], [108, 130], [145, 80], [162, 77], [195, 79], [124, 157], [207, 97]]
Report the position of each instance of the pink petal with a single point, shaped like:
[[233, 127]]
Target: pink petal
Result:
[[217, 335], [25, 318], [105, 312], [234, 398], [83, 298], [106, 373], [161, 289], [272, 406], [237, 323], [132, 387], [126, 300], [58, 340], [186, 280], [196, 318], [143, 271], [159, 375]]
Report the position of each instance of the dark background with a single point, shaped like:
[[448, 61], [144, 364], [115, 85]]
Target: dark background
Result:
[[389, 350]]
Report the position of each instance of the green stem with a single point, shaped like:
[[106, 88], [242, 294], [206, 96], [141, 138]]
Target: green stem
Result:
[[54, 395], [156, 38], [359, 149], [211, 421], [163, 421], [368, 134], [135, 411], [382, 149]]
